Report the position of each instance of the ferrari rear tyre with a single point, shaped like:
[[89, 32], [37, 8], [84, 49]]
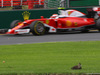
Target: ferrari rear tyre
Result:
[[98, 24], [37, 28], [14, 23]]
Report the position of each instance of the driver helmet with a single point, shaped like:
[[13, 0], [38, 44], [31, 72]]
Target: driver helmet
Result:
[[54, 16]]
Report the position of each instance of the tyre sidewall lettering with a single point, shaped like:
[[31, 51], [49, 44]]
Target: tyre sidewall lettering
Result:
[[36, 29]]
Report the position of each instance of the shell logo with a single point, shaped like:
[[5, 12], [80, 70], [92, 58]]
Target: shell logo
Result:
[[68, 23], [47, 21]]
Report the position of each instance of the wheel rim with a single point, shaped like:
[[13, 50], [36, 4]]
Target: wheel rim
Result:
[[40, 27]]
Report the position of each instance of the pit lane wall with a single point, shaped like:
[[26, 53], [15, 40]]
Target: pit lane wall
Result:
[[6, 17]]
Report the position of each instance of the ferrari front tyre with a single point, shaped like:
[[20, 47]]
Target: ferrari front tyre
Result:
[[14, 23], [37, 28]]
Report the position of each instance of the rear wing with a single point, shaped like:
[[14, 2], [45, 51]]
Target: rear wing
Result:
[[97, 9], [93, 12]]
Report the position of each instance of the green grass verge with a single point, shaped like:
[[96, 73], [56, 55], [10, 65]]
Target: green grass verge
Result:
[[50, 57]]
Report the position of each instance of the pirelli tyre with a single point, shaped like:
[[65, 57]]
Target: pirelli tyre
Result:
[[14, 23], [37, 28], [98, 24]]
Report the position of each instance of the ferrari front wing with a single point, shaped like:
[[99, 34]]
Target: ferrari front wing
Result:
[[18, 31]]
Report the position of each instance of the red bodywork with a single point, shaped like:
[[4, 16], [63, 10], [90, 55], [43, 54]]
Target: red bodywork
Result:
[[60, 23], [68, 20]]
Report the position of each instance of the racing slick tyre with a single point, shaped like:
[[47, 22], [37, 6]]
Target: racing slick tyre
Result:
[[37, 28], [14, 23], [98, 24]]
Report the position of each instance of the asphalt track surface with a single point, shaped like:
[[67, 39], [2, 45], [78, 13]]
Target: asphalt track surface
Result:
[[29, 38]]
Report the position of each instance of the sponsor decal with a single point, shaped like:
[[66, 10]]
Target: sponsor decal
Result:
[[75, 24], [26, 15], [53, 29], [21, 31], [47, 21], [69, 12], [68, 23]]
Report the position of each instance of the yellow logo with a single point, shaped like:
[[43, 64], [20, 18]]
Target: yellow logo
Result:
[[26, 15], [75, 23], [69, 13], [68, 23], [47, 21]]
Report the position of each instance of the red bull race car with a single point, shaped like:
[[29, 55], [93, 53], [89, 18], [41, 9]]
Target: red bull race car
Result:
[[67, 20]]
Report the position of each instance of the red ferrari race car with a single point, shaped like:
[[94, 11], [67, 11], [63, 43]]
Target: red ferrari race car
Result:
[[67, 20]]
